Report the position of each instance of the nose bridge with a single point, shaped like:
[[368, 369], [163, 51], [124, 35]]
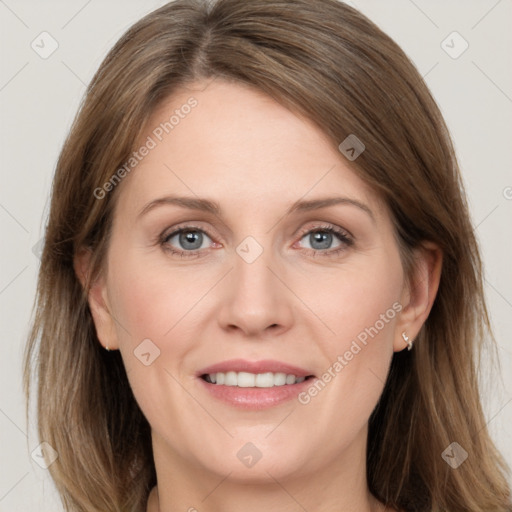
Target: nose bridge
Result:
[[252, 277], [255, 299]]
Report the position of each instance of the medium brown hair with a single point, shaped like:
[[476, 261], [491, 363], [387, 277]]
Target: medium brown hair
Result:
[[329, 63]]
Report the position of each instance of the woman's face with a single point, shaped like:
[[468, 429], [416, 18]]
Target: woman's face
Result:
[[265, 280]]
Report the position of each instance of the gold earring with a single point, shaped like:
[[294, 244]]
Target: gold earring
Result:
[[407, 340]]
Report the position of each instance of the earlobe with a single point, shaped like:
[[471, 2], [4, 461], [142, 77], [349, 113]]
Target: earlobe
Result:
[[97, 299], [419, 295], [407, 340]]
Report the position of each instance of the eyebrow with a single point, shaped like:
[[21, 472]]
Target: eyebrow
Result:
[[196, 203]]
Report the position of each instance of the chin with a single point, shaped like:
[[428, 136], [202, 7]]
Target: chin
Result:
[[257, 461]]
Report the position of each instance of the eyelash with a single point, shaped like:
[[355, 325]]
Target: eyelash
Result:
[[342, 235]]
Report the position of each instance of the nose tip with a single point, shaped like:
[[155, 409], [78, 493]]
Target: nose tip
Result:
[[250, 328]]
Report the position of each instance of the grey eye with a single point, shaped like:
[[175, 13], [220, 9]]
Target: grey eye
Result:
[[188, 239], [320, 239]]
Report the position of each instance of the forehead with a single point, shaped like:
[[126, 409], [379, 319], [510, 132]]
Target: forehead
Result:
[[231, 142]]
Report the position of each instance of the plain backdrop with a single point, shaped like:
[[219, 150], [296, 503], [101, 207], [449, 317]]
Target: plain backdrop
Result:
[[38, 100]]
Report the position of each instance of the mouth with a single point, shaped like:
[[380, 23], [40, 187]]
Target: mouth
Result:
[[254, 385], [253, 380]]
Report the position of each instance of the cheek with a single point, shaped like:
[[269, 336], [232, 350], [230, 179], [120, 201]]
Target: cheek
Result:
[[152, 306], [359, 348], [359, 302], [151, 299], [367, 314], [157, 310]]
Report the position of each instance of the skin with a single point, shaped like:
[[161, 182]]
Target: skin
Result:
[[255, 158]]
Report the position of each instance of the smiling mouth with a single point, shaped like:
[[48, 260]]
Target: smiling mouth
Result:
[[253, 380]]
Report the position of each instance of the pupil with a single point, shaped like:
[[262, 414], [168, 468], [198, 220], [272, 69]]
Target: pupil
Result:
[[323, 238], [191, 237]]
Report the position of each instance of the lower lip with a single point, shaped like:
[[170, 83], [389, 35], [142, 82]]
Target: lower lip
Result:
[[256, 398]]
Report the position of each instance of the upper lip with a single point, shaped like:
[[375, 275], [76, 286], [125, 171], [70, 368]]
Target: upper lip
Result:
[[263, 366]]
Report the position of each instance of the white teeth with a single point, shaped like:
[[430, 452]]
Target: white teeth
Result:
[[230, 379], [246, 380], [251, 380], [266, 380]]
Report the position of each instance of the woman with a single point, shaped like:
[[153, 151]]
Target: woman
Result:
[[260, 285]]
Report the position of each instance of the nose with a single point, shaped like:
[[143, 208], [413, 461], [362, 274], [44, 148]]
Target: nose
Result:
[[255, 302]]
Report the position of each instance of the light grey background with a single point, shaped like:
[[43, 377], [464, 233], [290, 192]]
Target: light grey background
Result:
[[39, 98]]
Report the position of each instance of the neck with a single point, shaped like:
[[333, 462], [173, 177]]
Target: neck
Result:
[[339, 486]]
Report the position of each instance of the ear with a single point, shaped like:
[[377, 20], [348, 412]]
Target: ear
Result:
[[419, 293], [98, 300]]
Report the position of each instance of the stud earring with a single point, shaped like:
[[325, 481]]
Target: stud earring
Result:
[[107, 349], [407, 340]]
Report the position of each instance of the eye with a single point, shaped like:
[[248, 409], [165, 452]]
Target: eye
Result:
[[186, 241], [321, 239], [190, 241]]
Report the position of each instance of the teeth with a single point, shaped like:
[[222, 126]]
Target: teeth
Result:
[[251, 380]]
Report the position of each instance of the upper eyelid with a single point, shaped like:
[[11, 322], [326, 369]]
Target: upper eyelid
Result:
[[326, 226], [167, 233]]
